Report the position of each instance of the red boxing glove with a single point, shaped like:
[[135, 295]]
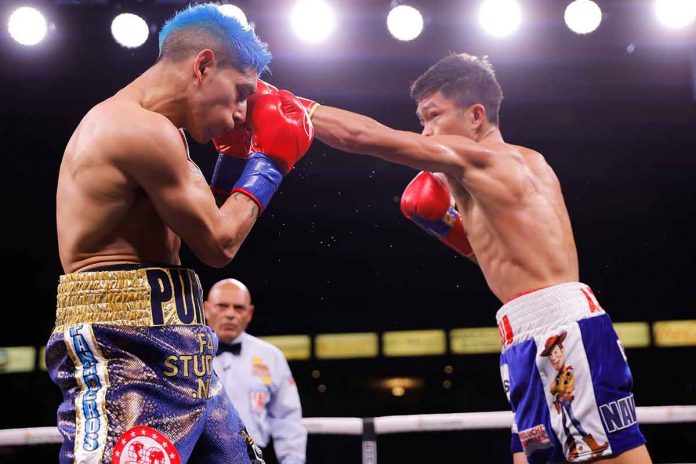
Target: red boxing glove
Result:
[[276, 134], [236, 142], [310, 105], [280, 128], [233, 147], [426, 201], [263, 88], [281, 135]]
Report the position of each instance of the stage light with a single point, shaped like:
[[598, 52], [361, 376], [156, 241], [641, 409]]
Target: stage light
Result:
[[583, 16], [27, 26], [404, 22], [235, 12], [398, 391], [312, 20], [129, 30], [500, 18], [675, 14]]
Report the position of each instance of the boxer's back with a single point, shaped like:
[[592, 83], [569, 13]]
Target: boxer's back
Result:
[[103, 217], [517, 222]]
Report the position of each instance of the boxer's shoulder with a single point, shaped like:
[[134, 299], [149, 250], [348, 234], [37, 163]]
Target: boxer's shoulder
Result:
[[530, 157], [512, 173], [538, 165], [517, 161], [130, 123], [127, 133], [507, 152], [123, 141]]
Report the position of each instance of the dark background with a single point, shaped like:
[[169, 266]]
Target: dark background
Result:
[[333, 254]]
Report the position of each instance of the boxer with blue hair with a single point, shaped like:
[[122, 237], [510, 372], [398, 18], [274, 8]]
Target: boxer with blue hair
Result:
[[130, 350]]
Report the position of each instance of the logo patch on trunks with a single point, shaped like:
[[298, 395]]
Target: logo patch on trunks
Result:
[[144, 445], [91, 374], [534, 439], [620, 414]]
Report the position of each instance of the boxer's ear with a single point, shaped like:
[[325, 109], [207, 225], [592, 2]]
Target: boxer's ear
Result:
[[476, 118], [478, 114], [202, 64]]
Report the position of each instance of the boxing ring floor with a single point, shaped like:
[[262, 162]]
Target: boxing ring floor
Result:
[[369, 429]]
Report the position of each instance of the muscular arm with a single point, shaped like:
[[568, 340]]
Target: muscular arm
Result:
[[154, 157], [355, 133]]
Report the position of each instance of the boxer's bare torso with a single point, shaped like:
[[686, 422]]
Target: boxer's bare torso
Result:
[[104, 217], [516, 218], [127, 190]]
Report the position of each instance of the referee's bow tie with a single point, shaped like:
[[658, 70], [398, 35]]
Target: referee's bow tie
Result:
[[234, 348]]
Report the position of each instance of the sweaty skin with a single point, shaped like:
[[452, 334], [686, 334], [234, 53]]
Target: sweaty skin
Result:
[[509, 197], [127, 191]]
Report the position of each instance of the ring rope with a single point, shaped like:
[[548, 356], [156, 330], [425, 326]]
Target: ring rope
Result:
[[386, 424]]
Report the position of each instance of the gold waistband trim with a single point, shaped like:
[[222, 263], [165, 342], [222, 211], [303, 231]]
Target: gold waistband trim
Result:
[[152, 296]]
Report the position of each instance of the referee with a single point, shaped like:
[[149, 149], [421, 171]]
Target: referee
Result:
[[255, 374]]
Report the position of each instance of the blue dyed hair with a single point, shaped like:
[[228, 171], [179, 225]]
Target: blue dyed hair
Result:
[[205, 26]]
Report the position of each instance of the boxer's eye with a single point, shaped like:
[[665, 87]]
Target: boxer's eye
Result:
[[244, 92]]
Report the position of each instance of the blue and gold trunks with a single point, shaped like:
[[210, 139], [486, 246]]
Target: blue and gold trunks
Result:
[[132, 356]]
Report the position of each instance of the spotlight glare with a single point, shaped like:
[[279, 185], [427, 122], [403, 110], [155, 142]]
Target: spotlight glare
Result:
[[312, 20], [675, 14], [234, 11], [398, 391], [129, 30], [500, 18], [27, 26], [404, 22], [583, 16]]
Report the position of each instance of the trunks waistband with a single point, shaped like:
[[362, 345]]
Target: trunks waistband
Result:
[[139, 296], [534, 313], [129, 267]]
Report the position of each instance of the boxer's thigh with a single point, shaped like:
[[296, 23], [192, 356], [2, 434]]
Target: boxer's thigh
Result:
[[525, 389], [612, 383], [224, 438], [133, 390]]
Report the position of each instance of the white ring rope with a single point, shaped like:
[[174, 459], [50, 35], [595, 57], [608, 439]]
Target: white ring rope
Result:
[[387, 424], [441, 422]]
